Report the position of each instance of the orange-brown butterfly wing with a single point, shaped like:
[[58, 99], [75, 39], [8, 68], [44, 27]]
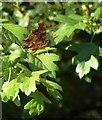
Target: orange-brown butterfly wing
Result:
[[37, 38]]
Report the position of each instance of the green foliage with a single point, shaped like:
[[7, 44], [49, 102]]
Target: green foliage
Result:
[[32, 73], [100, 51], [10, 90], [49, 84], [23, 70], [14, 55], [97, 14], [86, 58], [46, 61], [29, 83], [87, 53], [36, 105], [52, 88], [84, 50], [70, 23], [83, 68], [14, 33]]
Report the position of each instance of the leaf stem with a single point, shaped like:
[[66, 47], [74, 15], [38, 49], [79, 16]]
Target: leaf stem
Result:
[[92, 37], [9, 74]]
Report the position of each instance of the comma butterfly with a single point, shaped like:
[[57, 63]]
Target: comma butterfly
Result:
[[37, 38]]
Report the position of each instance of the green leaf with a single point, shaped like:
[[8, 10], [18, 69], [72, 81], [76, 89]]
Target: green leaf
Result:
[[70, 23], [13, 47], [80, 25], [1, 47], [84, 50], [44, 98], [36, 105], [52, 88], [70, 19], [100, 51], [76, 17], [67, 30], [38, 73], [86, 58], [46, 49], [63, 31], [64, 19], [3, 20], [56, 94], [14, 32], [11, 89], [29, 83], [50, 84], [4, 97], [5, 67], [55, 85], [8, 71], [17, 101], [83, 68], [37, 94], [93, 62], [23, 67], [97, 13], [25, 20], [46, 61], [14, 55]]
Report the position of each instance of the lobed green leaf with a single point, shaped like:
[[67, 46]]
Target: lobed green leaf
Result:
[[56, 94], [46, 61], [83, 68], [14, 32], [70, 23], [36, 105], [84, 50], [14, 55], [11, 89], [50, 84]]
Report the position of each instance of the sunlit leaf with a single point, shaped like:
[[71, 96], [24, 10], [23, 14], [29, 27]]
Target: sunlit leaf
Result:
[[70, 19], [14, 55], [97, 13], [93, 62], [29, 83], [100, 51], [3, 20], [46, 49], [11, 89], [83, 68], [64, 30], [25, 20], [76, 17], [3, 97], [70, 23], [49, 84], [46, 61]]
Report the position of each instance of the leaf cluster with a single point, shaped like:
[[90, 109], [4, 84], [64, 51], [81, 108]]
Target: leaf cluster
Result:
[[74, 22], [24, 71]]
